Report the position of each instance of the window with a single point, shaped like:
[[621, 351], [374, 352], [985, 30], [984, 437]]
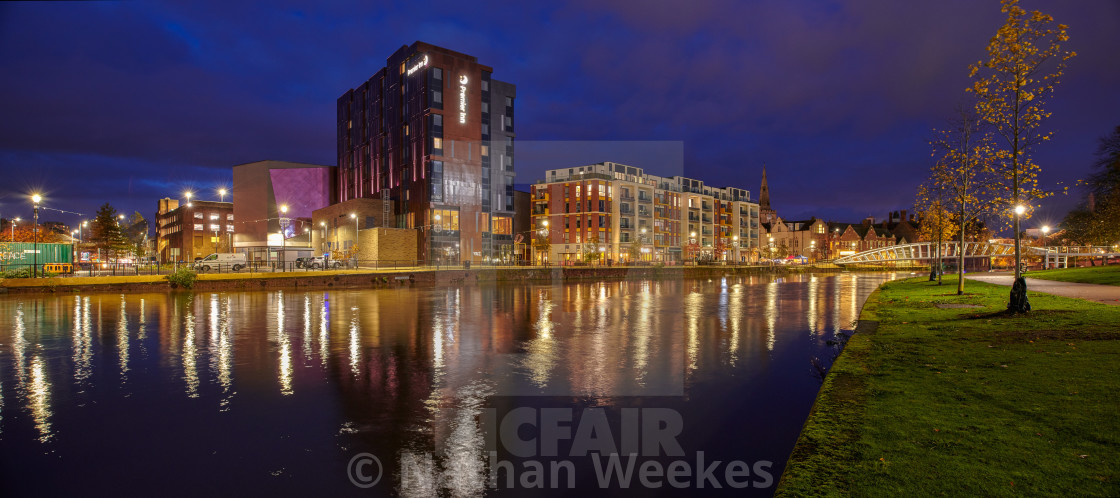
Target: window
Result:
[[509, 101], [437, 120], [437, 143], [215, 228], [485, 150], [437, 97], [229, 228], [486, 85], [198, 227], [503, 225], [485, 129], [437, 73], [448, 219], [198, 215], [485, 107], [215, 216], [484, 222], [229, 217]]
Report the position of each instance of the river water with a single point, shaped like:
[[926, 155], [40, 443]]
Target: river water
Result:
[[695, 386]]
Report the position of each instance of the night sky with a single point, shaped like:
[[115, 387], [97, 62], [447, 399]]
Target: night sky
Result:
[[128, 102]]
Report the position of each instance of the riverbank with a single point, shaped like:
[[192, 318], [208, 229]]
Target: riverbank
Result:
[[1103, 275], [374, 278], [933, 398]]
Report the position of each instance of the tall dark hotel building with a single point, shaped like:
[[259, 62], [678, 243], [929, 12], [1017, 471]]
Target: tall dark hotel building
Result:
[[431, 135]]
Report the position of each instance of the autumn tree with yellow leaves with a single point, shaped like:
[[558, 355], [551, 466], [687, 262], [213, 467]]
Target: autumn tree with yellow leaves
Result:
[[965, 175], [936, 221], [1025, 61]]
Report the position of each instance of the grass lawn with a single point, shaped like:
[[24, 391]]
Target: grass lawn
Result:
[[967, 401], [1106, 275]]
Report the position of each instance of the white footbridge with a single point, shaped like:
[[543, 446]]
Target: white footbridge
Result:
[[1053, 256]]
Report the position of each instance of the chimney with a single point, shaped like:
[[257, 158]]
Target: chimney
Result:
[[902, 217]]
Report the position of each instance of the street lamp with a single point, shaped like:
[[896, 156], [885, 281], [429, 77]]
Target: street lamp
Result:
[[283, 219], [13, 225], [35, 233], [188, 195], [1046, 259], [1019, 210], [354, 247], [222, 194]]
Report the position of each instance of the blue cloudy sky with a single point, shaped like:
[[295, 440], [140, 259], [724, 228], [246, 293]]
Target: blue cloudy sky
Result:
[[127, 102]]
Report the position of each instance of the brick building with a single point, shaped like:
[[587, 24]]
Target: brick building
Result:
[[192, 230], [431, 135], [625, 214]]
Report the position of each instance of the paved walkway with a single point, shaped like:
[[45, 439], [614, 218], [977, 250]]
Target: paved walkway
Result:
[[1108, 294]]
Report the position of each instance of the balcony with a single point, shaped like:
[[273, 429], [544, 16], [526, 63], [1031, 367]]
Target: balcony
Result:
[[707, 219], [540, 197], [643, 212], [627, 197], [707, 206], [644, 197], [693, 218], [540, 210], [626, 210]]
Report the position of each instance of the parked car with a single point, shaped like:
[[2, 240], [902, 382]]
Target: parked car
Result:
[[304, 262], [320, 262]]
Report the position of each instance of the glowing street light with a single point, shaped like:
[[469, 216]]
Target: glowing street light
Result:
[[36, 198], [283, 219], [13, 225], [188, 195], [222, 194]]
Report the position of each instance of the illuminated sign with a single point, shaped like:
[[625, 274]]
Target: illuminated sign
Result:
[[463, 99], [416, 67]]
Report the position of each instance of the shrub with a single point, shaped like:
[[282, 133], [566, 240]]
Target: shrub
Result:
[[21, 273], [183, 277]]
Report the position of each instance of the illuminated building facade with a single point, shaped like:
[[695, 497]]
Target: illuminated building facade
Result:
[[430, 136], [192, 229], [626, 215]]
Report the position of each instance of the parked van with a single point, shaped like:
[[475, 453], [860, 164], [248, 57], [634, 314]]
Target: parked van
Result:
[[221, 261]]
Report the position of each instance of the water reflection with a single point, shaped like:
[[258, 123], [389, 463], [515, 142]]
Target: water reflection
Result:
[[405, 373]]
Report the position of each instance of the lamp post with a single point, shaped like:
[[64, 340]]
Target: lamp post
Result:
[[283, 223], [188, 195], [35, 233], [222, 194], [355, 246], [812, 250], [735, 244], [13, 225], [1046, 259], [1019, 210]]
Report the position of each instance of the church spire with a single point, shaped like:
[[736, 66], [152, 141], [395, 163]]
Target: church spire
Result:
[[764, 192]]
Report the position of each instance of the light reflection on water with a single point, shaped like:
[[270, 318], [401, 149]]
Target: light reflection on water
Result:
[[279, 383]]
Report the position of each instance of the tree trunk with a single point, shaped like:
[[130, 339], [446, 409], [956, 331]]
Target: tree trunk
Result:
[[960, 258]]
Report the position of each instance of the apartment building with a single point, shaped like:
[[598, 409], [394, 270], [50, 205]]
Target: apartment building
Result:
[[609, 212]]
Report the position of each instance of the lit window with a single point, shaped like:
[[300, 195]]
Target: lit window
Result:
[[214, 216], [198, 227], [229, 217], [215, 228], [229, 228], [437, 143], [198, 215], [503, 225], [485, 150]]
